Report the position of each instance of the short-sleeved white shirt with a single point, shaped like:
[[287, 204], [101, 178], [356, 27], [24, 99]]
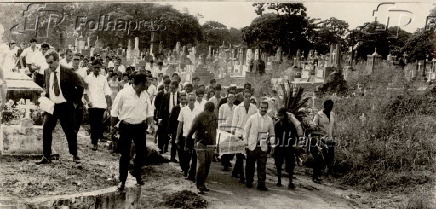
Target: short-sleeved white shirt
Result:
[[187, 116]]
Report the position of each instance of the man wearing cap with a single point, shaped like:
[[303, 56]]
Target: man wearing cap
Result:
[[99, 99]]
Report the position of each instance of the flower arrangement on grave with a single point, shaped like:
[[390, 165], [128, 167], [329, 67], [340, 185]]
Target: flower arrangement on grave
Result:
[[14, 112]]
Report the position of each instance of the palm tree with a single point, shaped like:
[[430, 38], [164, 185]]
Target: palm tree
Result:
[[294, 101]]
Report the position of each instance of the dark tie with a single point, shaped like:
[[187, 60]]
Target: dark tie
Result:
[[57, 91], [174, 103]]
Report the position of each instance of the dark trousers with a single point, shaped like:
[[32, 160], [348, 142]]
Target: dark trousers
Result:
[[256, 156], [127, 134], [66, 114], [226, 158], [96, 123], [162, 136], [284, 155], [79, 116], [318, 158], [38, 79], [204, 157], [192, 156], [239, 167], [173, 146], [183, 156]]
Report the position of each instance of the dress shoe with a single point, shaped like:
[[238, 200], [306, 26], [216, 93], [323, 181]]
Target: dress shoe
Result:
[[235, 175], [44, 160], [94, 147], [262, 188], [121, 187], [291, 186], [201, 191], [242, 181], [174, 161], [185, 173], [139, 181], [279, 184], [248, 185], [205, 189], [226, 168], [76, 159]]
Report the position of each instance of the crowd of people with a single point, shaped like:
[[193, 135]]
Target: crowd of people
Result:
[[187, 116]]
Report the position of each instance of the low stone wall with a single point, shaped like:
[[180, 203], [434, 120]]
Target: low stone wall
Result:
[[108, 198]]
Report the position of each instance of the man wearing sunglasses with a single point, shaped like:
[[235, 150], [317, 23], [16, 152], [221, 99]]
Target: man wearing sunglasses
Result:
[[65, 89]]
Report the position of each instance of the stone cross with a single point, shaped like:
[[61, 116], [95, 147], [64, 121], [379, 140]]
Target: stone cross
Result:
[[28, 107]]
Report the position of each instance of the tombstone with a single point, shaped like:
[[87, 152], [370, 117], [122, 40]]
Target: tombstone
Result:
[[86, 52], [372, 60], [278, 56], [21, 137], [337, 60], [297, 58], [81, 43], [177, 49], [204, 75], [330, 60], [129, 50]]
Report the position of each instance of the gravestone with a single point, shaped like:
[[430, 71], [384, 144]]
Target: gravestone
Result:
[[204, 75]]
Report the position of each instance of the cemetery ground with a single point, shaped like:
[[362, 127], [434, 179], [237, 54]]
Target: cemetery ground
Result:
[[165, 186]]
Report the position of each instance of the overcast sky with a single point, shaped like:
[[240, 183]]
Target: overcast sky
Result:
[[240, 14]]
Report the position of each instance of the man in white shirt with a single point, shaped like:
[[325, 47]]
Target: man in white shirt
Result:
[[121, 67], [259, 130], [200, 101], [33, 56], [68, 61], [98, 98], [240, 116], [225, 117], [152, 90], [186, 118], [133, 109]]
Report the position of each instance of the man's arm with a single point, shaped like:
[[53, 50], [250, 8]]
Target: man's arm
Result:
[[189, 141], [247, 130], [107, 92], [271, 131], [179, 131], [21, 57]]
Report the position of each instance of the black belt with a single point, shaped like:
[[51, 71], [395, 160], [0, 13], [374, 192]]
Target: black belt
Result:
[[129, 124]]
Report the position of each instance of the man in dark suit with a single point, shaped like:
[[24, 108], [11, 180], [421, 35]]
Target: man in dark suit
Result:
[[173, 124], [169, 100], [65, 89]]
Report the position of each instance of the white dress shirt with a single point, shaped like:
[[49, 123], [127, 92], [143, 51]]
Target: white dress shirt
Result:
[[258, 128], [225, 115], [201, 104], [187, 116], [152, 90], [324, 123], [64, 63], [56, 99], [131, 108], [98, 89], [82, 72], [32, 56], [173, 100], [240, 117]]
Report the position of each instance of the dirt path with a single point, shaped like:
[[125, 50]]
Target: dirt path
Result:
[[227, 192]]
